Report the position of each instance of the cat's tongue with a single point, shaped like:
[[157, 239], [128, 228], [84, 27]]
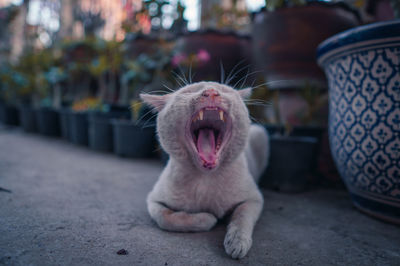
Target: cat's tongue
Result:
[[206, 145]]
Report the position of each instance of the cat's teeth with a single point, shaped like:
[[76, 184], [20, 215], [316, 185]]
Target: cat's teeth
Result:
[[221, 115], [201, 114]]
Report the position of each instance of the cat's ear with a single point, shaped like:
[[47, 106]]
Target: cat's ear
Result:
[[245, 93], [156, 101]]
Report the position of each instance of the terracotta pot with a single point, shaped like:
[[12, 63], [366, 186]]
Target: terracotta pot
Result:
[[285, 42], [229, 48]]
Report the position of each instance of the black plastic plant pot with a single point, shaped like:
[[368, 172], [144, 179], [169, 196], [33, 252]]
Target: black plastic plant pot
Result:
[[290, 163], [78, 122], [101, 131], [27, 118], [297, 131], [65, 114], [9, 115], [301, 131], [48, 122], [132, 140]]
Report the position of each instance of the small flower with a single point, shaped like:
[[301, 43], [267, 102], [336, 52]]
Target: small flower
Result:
[[178, 59], [203, 56]]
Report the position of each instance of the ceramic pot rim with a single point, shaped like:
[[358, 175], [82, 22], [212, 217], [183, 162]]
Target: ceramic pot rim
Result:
[[374, 35], [374, 196]]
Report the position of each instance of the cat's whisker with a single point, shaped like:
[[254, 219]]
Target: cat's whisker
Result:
[[181, 81], [140, 120], [190, 73], [255, 100], [245, 78], [146, 125], [261, 105], [252, 84], [236, 73], [268, 83], [253, 119], [144, 115], [168, 88], [158, 91], [228, 78], [158, 149], [183, 76], [256, 104], [222, 70], [151, 118], [194, 74]]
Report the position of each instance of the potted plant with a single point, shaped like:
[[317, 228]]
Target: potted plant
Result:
[[27, 69], [286, 34], [8, 111], [221, 46], [100, 126], [149, 72], [38, 95], [290, 163], [107, 68], [294, 144], [50, 93], [136, 137], [202, 52], [285, 37], [78, 119], [43, 75], [364, 82], [11, 81], [84, 67]]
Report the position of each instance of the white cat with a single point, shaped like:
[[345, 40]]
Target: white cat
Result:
[[216, 157]]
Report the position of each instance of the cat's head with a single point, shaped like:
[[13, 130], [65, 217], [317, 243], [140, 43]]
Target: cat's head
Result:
[[203, 123]]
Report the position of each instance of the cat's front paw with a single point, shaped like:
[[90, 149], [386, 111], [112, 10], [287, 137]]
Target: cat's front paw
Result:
[[205, 221], [237, 243]]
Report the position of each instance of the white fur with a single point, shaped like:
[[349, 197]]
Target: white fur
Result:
[[187, 198]]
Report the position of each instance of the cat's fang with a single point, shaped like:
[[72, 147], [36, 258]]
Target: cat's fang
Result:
[[201, 115], [221, 115]]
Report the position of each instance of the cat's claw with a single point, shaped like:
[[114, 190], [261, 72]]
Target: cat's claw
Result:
[[237, 243]]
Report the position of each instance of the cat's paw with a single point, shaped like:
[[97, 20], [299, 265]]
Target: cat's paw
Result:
[[204, 221], [237, 243]]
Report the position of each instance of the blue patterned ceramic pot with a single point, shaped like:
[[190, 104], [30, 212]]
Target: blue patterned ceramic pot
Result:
[[363, 70]]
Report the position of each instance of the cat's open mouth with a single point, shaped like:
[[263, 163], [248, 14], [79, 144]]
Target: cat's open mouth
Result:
[[209, 131]]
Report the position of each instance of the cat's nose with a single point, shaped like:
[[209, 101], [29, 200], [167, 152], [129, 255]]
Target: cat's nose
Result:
[[212, 93]]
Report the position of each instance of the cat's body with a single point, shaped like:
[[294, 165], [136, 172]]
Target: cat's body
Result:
[[215, 159]]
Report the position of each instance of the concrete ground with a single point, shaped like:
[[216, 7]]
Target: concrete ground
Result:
[[68, 205]]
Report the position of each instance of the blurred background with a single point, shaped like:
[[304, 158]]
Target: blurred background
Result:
[[68, 65], [60, 52]]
